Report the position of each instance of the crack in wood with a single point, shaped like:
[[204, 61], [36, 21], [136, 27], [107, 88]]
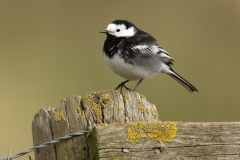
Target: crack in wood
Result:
[[194, 140]]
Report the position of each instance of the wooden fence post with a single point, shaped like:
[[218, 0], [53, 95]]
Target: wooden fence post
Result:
[[127, 126]]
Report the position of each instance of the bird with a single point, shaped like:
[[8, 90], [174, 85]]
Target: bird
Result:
[[135, 55]]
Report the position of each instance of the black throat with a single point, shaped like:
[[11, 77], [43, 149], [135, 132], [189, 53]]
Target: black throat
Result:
[[112, 45]]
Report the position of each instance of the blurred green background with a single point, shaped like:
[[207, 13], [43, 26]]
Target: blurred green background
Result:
[[50, 50]]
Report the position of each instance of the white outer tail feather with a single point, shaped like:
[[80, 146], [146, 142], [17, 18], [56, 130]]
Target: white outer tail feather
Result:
[[182, 81], [166, 69]]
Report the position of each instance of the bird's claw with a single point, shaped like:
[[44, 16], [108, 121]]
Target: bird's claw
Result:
[[123, 86], [127, 88]]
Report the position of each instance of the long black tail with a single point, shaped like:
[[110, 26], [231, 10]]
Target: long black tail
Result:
[[182, 81]]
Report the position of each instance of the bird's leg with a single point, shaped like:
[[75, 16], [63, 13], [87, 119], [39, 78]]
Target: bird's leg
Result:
[[126, 88], [137, 84], [122, 85]]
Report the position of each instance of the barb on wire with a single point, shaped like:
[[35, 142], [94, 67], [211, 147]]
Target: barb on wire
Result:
[[30, 157], [44, 145], [5, 158], [8, 157]]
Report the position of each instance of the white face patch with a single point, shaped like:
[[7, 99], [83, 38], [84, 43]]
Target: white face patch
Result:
[[119, 30]]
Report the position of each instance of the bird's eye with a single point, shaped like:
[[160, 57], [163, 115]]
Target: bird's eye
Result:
[[118, 30]]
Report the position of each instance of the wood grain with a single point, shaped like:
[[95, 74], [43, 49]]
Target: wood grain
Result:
[[110, 112], [104, 107], [219, 140]]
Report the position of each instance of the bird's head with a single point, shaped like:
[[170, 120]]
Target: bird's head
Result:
[[120, 28]]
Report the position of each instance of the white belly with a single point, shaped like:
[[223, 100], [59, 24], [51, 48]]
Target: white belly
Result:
[[127, 71]]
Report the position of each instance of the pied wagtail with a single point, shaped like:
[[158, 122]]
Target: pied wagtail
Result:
[[135, 55]]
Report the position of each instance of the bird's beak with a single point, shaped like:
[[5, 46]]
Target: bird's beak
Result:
[[103, 31]]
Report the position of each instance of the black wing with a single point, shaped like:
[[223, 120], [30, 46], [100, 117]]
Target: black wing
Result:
[[143, 43]]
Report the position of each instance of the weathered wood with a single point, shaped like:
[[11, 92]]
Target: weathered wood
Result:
[[42, 132], [108, 106], [219, 140], [126, 126]]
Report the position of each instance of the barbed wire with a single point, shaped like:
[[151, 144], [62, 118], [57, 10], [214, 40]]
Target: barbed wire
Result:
[[9, 157]]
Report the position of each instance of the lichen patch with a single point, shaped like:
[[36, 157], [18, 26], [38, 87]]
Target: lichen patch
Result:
[[90, 100], [96, 102], [140, 105], [58, 115], [161, 131], [126, 97], [105, 99], [80, 112]]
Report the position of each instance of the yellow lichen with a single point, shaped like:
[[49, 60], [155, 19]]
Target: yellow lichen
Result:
[[90, 131], [142, 108], [161, 131], [89, 100], [105, 99], [96, 101], [140, 104], [80, 112], [126, 97], [58, 115], [103, 124], [154, 112], [147, 111], [135, 131]]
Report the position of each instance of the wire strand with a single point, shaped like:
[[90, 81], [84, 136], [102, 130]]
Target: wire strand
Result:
[[45, 144]]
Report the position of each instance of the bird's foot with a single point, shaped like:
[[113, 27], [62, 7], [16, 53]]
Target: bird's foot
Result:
[[121, 85], [126, 88]]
